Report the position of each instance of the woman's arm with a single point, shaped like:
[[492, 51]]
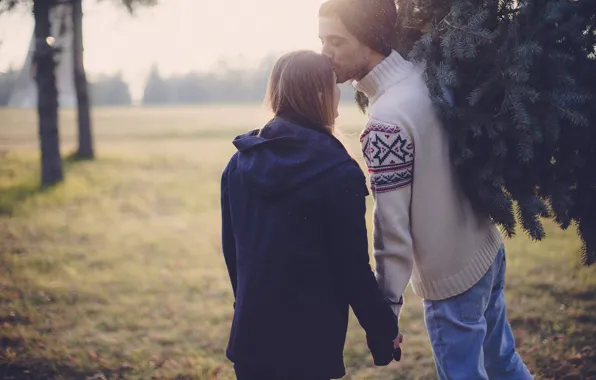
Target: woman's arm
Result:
[[346, 215], [227, 234]]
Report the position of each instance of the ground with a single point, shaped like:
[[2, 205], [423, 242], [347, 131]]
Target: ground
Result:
[[118, 273]]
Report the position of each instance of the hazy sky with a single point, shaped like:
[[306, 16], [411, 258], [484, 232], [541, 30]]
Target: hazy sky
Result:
[[178, 35]]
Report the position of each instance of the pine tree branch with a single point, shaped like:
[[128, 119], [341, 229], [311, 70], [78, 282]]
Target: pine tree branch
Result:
[[573, 115], [528, 138], [444, 19], [508, 12], [518, 116], [464, 30]]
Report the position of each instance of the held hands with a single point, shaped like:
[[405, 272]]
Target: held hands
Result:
[[385, 352], [396, 347]]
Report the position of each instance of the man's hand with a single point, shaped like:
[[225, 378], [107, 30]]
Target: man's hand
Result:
[[396, 347]]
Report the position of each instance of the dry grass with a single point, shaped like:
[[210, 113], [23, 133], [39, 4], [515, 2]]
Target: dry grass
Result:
[[119, 272]]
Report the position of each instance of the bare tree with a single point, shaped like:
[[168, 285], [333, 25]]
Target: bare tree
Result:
[[85, 149], [47, 95]]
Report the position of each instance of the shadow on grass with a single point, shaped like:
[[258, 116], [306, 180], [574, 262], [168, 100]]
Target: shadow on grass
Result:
[[565, 346], [46, 369], [13, 195], [578, 306]]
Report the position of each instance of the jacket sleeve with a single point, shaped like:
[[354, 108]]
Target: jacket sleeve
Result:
[[346, 212], [389, 154], [227, 233]]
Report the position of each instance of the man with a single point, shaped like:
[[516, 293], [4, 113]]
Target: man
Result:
[[424, 227]]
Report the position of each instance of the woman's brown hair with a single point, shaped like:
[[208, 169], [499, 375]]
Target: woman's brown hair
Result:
[[302, 84]]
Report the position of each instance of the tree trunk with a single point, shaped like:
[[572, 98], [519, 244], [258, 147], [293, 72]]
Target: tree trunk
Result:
[[85, 150], [47, 97]]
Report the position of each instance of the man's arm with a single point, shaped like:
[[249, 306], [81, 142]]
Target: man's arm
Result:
[[389, 154]]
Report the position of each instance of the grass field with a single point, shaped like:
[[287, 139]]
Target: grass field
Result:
[[118, 274]]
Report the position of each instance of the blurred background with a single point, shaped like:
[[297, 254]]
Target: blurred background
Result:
[[177, 51], [113, 269]]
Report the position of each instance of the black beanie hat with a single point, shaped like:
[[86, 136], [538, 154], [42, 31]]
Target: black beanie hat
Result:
[[372, 22]]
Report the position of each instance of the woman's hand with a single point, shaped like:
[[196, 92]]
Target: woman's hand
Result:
[[396, 347], [398, 340]]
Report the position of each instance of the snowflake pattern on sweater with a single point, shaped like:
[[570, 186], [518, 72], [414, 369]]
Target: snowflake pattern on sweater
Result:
[[389, 155]]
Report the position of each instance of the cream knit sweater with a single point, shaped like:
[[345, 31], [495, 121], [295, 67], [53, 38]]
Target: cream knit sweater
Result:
[[424, 227]]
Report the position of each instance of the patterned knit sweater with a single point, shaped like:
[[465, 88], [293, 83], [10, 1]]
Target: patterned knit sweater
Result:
[[424, 228]]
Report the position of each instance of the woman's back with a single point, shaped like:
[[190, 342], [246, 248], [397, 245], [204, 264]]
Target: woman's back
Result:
[[294, 236], [278, 186]]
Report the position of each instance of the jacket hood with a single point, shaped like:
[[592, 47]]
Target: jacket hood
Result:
[[283, 155]]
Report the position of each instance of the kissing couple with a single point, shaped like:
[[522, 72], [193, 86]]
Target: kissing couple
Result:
[[294, 231]]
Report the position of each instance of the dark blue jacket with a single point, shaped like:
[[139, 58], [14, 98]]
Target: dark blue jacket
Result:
[[295, 244]]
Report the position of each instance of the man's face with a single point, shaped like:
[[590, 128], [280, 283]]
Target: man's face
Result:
[[349, 56]]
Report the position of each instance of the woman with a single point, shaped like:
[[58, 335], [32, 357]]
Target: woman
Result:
[[294, 236]]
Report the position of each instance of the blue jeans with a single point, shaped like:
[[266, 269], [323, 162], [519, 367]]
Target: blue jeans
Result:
[[470, 335]]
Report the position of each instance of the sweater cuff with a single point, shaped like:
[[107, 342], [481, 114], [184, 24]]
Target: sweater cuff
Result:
[[396, 306]]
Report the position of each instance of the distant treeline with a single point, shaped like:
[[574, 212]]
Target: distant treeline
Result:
[[231, 85], [105, 90]]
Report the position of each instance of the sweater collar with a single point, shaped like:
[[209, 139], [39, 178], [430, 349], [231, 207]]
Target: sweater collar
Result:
[[391, 70]]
